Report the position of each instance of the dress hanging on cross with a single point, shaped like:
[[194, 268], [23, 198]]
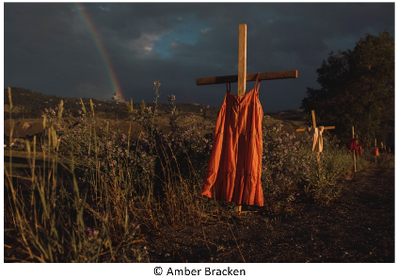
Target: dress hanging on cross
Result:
[[235, 166]]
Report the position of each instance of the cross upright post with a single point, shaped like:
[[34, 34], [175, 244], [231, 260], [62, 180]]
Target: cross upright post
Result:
[[242, 68], [354, 153], [242, 59], [376, 146]]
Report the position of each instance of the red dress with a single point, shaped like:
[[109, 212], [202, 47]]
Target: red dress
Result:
[[235, 165], [375, 151], [353, 145]]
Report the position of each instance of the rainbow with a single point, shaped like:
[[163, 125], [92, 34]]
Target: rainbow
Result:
[[100, 48]]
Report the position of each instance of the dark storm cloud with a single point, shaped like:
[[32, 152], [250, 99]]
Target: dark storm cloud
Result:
[[49, 49]]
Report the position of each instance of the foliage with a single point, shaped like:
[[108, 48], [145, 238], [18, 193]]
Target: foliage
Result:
[[321, 183], [357, 89], [281, 164]]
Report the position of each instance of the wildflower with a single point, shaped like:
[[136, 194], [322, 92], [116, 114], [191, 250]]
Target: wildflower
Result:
[[91, 233], [156, 83], [171, 98]]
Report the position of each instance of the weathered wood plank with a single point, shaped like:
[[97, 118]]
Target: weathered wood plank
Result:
[[242, 59], [304, 129], [249, 77], [314, 119], [314, 123]]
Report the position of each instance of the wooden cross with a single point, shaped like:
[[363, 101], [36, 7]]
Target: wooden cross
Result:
[[242, 76], [376, 146], [314, 126], [354, 153]]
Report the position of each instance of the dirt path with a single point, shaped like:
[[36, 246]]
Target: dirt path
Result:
[[357, 228]]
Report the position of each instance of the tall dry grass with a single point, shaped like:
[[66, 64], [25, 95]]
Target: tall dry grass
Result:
[[96, 190]]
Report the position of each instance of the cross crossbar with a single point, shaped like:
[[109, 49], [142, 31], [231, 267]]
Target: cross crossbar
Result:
[[249, 77], [304, 129]]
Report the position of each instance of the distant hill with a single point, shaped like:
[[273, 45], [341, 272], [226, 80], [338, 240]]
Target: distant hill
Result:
[[28, 107]]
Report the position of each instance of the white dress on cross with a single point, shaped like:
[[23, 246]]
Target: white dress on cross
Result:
[[317, 137]]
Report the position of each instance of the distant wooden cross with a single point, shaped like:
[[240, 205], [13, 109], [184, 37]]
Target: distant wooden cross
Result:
[[375, 150], [242, 76], [354, 152], [314, 126]]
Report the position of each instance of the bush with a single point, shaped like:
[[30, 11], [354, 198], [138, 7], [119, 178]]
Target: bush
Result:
[[322, 183], [291, 171]]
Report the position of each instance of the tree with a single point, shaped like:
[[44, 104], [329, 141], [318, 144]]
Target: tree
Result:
[[357, 88]]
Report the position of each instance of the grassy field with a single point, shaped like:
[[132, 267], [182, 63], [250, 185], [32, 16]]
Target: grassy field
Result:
[[99, 186]]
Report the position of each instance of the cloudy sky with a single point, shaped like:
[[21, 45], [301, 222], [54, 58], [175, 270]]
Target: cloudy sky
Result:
[[93, 49]]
